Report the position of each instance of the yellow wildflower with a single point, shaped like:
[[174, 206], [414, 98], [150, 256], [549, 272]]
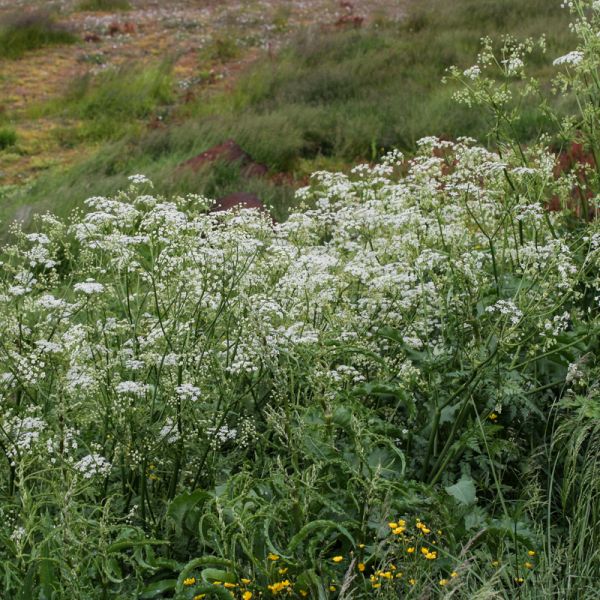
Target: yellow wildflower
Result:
[[531, 553], [361, 567], [282, 570], [399, 530], [230, 585], [443, 582], [199, 596], [412, 581], [337, 559], [453, 574], [246, 595], [246, 581], [303, 593], [272, 556], [493, 417], [332, 588], [410, 550], [189, 581], [528, 565], [392, 525]]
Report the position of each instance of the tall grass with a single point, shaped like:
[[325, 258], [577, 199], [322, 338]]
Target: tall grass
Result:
[[24, 32]]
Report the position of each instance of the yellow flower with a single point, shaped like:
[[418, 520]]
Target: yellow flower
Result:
[[332, 588], [401, 523], [337, 559], [189, 581], [495, 563], [272, 556], [230, 585], [199, 596], [493, 417], [376, 585], [392, 525], [412, 581], [443, 582], [531, 553], [275, 588], [246, 581], [528, 565], [386, 575], [519, 580], [425, 530], [246, 595], [424, 550], [399, 530], [361, 546], [303, 593], [410, 550], [282, 571], [361, 567], [453, 574]]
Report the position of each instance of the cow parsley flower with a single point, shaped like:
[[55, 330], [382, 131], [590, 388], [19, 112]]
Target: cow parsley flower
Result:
[[89, 287], [574, 57], [93, 465]]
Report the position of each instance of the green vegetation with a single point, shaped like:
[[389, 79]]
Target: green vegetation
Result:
[[107, 108], [8, 137], [23, 32], [328, 100], [393, 394], [104, 5]]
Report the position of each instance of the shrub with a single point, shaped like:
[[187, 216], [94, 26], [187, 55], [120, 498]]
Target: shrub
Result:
[[8, 137], [23, 32]]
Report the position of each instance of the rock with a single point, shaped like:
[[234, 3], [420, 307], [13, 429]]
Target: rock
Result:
[[240, 200], [228, 151]]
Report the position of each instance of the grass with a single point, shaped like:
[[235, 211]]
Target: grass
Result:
[[104, 108], [327, 100], [104, 5], [8, 137], [21, 33]]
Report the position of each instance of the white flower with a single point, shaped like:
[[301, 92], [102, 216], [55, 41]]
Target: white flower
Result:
[[133, 388], [472, 72], [89, 287], [92, 465], [139, 179], [572, 58]]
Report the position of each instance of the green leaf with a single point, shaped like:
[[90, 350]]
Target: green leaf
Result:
[[203, 561], [182, 505], [158, 588], [463, 491]]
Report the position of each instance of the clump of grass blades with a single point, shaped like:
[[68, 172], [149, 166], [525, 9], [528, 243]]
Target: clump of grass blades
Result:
[[8, 137], [106, 106], [20, 33], [104, 5]]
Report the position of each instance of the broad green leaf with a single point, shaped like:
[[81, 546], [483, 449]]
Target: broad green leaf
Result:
[[463, 491]]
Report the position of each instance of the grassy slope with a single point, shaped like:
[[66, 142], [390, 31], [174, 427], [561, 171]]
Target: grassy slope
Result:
[[328, 100]]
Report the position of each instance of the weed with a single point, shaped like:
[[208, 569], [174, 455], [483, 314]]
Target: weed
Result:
[[8, 137], [23, 32]]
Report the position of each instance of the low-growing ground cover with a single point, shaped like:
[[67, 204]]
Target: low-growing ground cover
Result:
[[394, 393]]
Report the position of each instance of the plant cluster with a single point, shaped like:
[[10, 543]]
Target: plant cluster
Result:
[[23, 32], [392, 393]]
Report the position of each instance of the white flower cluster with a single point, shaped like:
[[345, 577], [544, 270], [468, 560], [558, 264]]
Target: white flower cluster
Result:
[[93, 465]]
